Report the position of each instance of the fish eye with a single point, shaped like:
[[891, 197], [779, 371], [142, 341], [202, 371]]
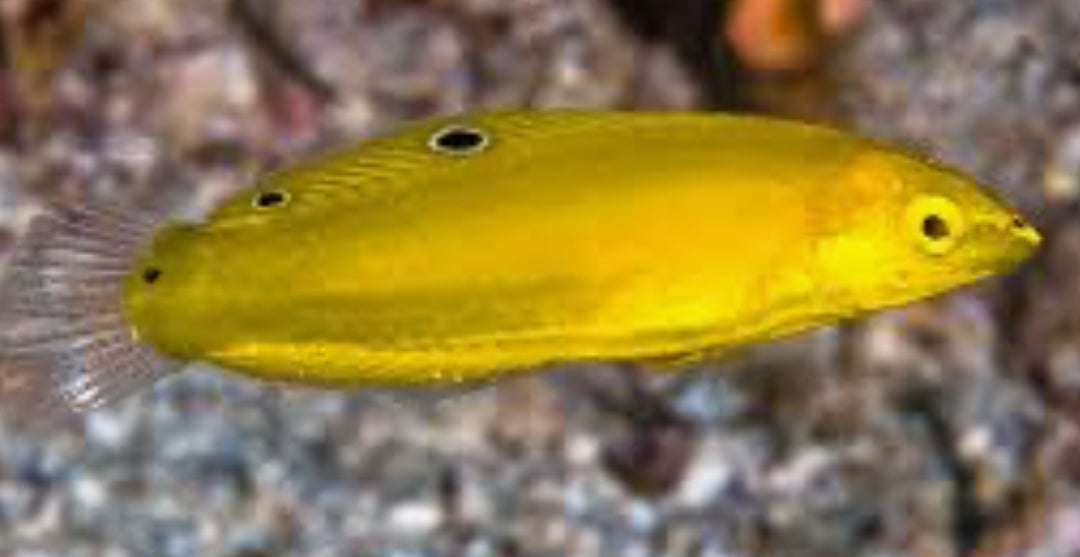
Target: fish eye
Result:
[[937, 224], [458, 140], [150, 275], [270, 198]]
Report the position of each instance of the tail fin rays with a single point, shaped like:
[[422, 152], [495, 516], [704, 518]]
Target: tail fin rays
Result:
[[65, 346]]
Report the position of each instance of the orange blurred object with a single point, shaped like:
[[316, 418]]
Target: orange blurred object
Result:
[[788, 35], [839, 16]]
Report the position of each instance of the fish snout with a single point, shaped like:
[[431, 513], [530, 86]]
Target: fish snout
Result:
[[1007, 240], [1025, 232]]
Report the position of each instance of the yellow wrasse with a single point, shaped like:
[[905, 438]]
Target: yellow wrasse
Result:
[[464, 248]]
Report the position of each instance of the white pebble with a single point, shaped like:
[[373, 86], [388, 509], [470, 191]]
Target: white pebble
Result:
[[415, 517]]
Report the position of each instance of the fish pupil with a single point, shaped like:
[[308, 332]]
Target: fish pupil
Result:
[[935, 228], [459, 141]]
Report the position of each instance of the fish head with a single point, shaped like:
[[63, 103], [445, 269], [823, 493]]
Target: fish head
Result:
[[903, 227]]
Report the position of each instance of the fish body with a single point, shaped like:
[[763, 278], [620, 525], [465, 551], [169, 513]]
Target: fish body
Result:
[[459, 249]]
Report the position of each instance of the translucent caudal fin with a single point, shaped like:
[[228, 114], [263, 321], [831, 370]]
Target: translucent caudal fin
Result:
[[65, 346]]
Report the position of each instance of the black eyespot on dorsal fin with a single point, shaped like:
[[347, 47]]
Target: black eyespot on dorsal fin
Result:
[[150, 275], [270, 198], [459, 140]]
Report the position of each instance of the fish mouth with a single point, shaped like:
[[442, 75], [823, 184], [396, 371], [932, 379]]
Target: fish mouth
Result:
[[1012, 239], [1026, 233]]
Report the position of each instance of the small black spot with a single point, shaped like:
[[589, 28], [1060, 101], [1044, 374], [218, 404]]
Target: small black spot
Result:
[[151, 275], [935, 228], [1019, 223], [459, 140], [272, 198]]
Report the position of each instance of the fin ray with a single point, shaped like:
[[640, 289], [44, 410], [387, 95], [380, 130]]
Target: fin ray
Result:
[[65, 346]]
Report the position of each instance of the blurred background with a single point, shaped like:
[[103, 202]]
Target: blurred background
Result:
[[948, 428]]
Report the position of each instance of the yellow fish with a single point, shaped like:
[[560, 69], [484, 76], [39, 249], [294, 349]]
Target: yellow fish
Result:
[[465, 248]]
